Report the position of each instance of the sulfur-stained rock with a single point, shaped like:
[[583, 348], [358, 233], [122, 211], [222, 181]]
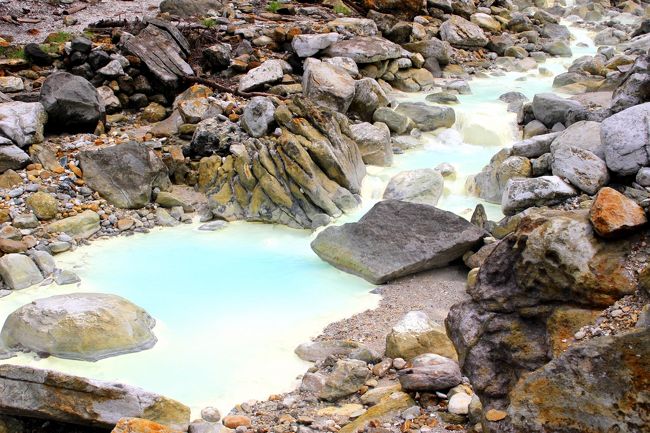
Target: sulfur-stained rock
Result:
[[139, 425], [80, 226], [595, 386], [612, 214], [43, 205]]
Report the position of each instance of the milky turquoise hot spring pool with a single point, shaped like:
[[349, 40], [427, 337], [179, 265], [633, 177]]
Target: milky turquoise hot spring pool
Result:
[[232, 305]]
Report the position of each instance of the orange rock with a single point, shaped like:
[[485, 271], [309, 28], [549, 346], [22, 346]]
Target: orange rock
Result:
[[613, 214], [233, 117], [9, 246], [495, 415], [59, 170], [138, 425], [76, 170], [234, 421]]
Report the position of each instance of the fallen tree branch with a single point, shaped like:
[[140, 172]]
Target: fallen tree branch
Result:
[[222, 88]]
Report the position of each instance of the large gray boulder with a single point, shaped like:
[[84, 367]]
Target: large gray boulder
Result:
[[581, 168], [328, 85], [431, 49], [125, 174], [522, 193], [428, 117], [22, 122], [19, 271], [462, 33], [535, 147], [310, 44], [374, 143], [365, 49], [626, 138], [396, 122], [12, 157], [72, 103], [258, 116], [422, 186], [550, 108], [395, 239], [83, 326], [35, 393]]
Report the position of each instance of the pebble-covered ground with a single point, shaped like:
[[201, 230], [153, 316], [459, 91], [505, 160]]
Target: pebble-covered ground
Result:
[[433, 292], [51, 17]]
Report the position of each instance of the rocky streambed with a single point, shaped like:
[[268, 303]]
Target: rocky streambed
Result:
[[373, 120]]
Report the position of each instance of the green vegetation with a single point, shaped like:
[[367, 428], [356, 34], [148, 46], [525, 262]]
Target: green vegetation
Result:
[[209, 22], [273, 6], [50, 48], [12, 53], [59, 37], [341, 9]]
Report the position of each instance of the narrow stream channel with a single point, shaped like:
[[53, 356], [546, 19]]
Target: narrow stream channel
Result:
[[232, 305]]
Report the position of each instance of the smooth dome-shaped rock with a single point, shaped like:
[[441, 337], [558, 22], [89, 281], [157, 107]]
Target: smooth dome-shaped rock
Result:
[[83, 326], [397, 238], [416, 186]]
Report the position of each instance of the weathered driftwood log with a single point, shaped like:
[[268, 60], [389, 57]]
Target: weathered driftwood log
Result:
[[162, 54]]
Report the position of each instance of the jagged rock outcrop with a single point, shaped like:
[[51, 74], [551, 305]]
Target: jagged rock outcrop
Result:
[[302, 178], [538, 287]]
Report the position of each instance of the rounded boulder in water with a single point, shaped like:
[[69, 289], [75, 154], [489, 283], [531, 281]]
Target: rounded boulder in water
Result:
[[83, 326]]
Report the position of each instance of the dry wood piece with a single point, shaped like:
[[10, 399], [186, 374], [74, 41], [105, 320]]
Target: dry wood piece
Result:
[[75, 9], [161, 53]]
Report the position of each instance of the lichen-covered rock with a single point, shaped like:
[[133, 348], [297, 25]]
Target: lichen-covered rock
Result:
[[43, 205], [34, 393], [612, 214], [397, 238], [415, 334], [125, 174]]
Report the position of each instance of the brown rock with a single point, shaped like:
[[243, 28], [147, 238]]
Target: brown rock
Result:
[[613, 214], [43, 205], [125, 224], [495, 415], [9, 179], [139, 425], [9, 246], [234, 421]]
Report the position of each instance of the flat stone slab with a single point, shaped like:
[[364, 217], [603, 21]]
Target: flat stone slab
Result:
[[397, 238]]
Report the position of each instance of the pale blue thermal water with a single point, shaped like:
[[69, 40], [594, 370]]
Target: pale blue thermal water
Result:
[[232, 305]]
